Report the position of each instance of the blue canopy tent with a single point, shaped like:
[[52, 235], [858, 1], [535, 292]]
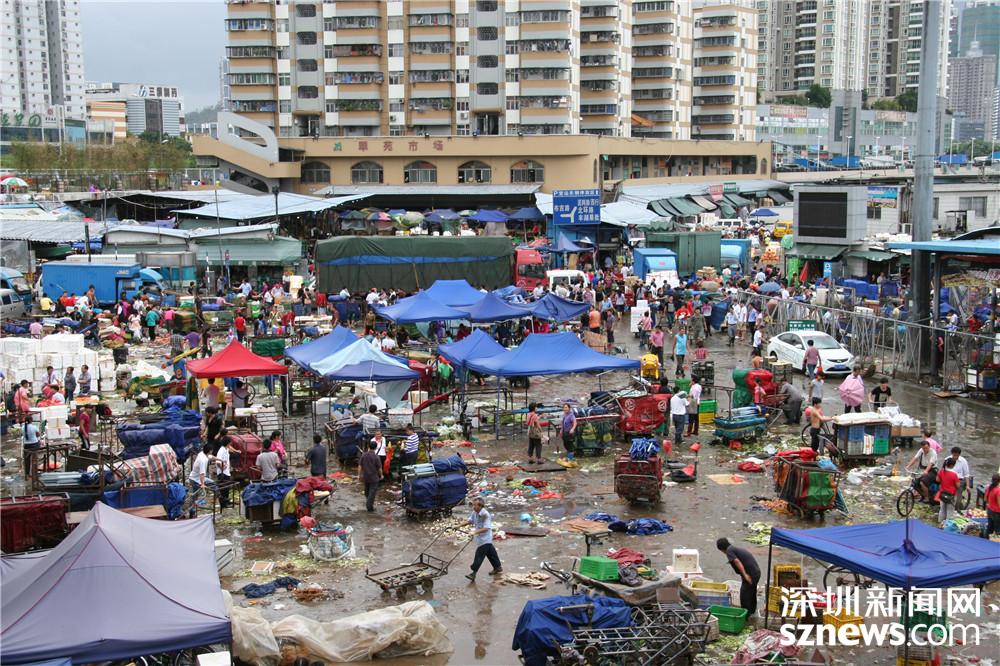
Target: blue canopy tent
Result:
[[763, 212], [552, 307], [442, 215], [549, 354], [419, 307], [528, 214], [80, 600], [322, 347], [360, 362], [492, 308], [510, 293], [565, 246], [489, 215], [454, 293], [476, 345]]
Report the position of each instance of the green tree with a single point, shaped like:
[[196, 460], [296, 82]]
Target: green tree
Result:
[[819, 96], [908, 101], [886, 105]]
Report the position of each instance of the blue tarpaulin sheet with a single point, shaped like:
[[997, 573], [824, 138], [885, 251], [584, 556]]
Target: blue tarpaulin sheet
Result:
[[450, 464], [542, 626], [305, 355], [556, 308], [454, 293], [420, 307], [492, 308], [477, 344], [549, 354], [259, 494], [906, 553]]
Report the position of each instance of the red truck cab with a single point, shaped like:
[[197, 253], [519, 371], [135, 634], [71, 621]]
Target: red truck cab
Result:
[[529, 268]]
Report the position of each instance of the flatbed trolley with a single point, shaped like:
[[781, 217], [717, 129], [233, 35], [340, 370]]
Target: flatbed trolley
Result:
[[421, 571]]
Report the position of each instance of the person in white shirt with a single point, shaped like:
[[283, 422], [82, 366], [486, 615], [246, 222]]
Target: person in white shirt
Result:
[[223, 469], [758, 343], [51, 376], [693, 403], [212, 393], [562, 291], [678, 414], [760, 277], [388, 342], [345, 294], [199, 479], [961, 468], [538, 291], [380, 444], [370, 420], [245, 288], [741, 320], [372, 297], [785, 293]]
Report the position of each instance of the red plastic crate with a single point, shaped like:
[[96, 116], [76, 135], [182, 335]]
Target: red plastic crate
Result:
[[32, 522]]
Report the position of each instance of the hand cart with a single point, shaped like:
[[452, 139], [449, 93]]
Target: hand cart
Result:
[[594, 434], [421, 571], [807, 487], [861, 438], [742, 424], [638, 480]]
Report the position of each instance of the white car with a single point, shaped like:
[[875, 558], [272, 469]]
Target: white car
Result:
[[791, 347]]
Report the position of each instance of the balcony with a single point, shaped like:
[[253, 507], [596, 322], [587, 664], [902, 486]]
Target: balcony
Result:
[[727, 80], [353, 105], [353, 50], [716, 22], [805, 33], [543, 102], [420, 104], [714, 119], [598, 61], [663, 116], [596, 36], [430, 20], [543, 73], [605, 11], [598, 109], [709, 42], [652, 72], [599, 86], [715, 100], [653, 29]]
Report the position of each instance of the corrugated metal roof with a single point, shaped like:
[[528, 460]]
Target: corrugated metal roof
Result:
[[617, 213], [279, 251], [985, 246], [645, 193], [207, 231], [250, 207], [470, 190], [50, 232]]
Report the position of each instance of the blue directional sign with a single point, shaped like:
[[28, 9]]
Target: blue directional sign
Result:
[[576, 206]]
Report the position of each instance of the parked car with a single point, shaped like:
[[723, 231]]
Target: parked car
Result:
[[791, 347], [11, 305]]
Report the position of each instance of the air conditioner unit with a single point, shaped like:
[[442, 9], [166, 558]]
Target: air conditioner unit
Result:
[[463, 115]]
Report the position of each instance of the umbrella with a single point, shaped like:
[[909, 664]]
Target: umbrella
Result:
[[13, 181], [378, 216], [769, 288], [441, 215], [487, 215], [528, 214], [412, 217], [763, 212], [352, 215]]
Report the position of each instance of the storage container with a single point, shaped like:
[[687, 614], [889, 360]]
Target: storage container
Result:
[[842, 618], [731, 620], [685, 560], [707, 406], [598, 567]]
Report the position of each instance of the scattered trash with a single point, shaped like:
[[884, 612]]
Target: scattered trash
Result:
[[257, 590], [261, 568]]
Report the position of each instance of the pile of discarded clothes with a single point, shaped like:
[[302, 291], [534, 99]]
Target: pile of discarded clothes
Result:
[[258, 590], [637, 526]]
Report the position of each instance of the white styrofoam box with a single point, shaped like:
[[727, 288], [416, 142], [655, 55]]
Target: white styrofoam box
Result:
[[19, 346], [221, 658], [106, 385], [63, 343], [55, 414], [686, 559], [418, 397], [39, 374], [400, 417], [322, 406], [686, 575], [22, 362], [58, 433], [72, 360], [46, 359], [225, 555]]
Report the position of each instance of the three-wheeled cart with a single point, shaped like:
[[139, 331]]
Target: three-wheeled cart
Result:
[[807, 487], [421, 571], [742, 424], [861, 438], [638, 480]]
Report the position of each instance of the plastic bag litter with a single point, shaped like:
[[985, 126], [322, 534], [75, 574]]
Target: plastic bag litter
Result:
[[411, 628], [253, 641]]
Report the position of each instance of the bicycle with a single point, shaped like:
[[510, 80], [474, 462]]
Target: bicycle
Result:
[[909, 496]]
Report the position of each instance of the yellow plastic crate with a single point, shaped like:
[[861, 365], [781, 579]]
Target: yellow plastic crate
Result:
[[775, 601], [843, 618], [779, 571], [708, 587], [706, 419]]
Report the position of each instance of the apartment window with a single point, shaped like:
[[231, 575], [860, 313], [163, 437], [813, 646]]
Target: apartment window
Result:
[[305, 38], [544, 16], [826, 69], [976, 204], [366, 172], [284, 79], [486, 5], [350, 22], [462, 104], [511, 48], [662, 6], [875, 213], [285, 106], [282, 53], [512, 19], [395, 78], [513, 103], [305, 11], [475, 172], [828, 41], [315, 172], [329, 24], [395, 23], [462, 20], [512, 76], [430, 19], [396, 130], [308, 65], [462, 130], [461, 76], [396, 105], [424, 48], [486, 33], [307, 92], [349, 105], [250, 51], [238, 25], [527, 171], [486, 89], [828, 28], [396, 50], [461, 48], [260, 79], [828, 15], [420, 172], [487, 61], [351, 78], [787, 20]]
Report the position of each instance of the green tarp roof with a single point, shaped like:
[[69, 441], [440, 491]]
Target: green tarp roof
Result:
[[817, 251], [873, 255], [279, 251]]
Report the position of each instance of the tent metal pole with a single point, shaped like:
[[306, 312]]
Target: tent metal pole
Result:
[[767, 590]]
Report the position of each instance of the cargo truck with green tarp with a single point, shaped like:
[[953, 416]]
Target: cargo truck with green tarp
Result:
[[412, 262]]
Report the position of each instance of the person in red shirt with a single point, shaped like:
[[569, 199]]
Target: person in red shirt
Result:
[[287, 319], [85, 418], [240, 324], [993, 506], [947, 488]]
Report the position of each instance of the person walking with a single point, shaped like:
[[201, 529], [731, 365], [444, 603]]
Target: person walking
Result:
[[693, 403], [534, 424], [993, 506], [816, 420], [567, 430], [744, 564], [316, 457], [152, 319], [852, 391], [811, 359], [947, 489], [69, 384], [678, 415], [381, 447], [411, 446], [731, 324], [680, 350], [370, 473], [656, 343], [482, 530], [84, 421]]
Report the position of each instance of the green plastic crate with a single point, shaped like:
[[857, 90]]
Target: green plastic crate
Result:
[[707, 407], [599, 568], [881, 446], [731, 619]]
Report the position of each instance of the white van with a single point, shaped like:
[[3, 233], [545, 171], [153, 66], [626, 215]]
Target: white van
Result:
[[11, 305], [566, 277]]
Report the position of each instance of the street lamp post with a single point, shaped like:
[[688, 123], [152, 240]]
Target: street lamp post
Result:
[[275, 190]]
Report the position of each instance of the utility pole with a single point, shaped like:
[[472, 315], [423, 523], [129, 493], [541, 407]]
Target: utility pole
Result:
[[923, 170]]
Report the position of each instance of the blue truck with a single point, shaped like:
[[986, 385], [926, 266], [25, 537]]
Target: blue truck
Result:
[[14, 279], [655, 263], [109, 280]]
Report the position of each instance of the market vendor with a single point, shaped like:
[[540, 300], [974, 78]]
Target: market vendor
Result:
[[746, 566], [792, 407], [926, 461]]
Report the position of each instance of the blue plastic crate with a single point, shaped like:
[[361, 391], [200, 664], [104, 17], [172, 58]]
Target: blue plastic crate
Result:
[[880, 431], [856, 433]]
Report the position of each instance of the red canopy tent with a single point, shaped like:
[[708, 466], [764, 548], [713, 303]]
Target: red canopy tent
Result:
[[235, 361]]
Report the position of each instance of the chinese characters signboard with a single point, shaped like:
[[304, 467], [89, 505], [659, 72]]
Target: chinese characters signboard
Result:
[[576, 206]]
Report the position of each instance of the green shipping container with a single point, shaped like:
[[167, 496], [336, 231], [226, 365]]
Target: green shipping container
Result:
[[694, 250]]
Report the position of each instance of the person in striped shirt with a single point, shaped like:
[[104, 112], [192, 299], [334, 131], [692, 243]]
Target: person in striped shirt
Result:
[[411, 446]]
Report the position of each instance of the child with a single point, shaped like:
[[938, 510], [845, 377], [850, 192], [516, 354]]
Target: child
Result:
[[700, 353], [758, 397], [816, 387]]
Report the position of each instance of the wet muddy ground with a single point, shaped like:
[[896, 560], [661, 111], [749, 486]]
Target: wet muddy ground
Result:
[[481, 616]]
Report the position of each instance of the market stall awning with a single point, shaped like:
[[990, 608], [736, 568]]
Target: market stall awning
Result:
[[118, 586], [322, 347], [279, 251], [44, 231], [454, 293], [419, 308], [492, 308], [252, 207], [235, 361], [989, 246], [872, 255], [663, 208], [553, 307], [477, 344], [360, 362], [686, 207], [817, 251], [704, 202], [907, 553], [549, 354], [736, 200], [779, 197]]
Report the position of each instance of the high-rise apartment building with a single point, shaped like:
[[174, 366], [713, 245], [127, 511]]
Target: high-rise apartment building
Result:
[[979, 21], [42, 59], [970, 94], [895, 33], [488, 67]]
